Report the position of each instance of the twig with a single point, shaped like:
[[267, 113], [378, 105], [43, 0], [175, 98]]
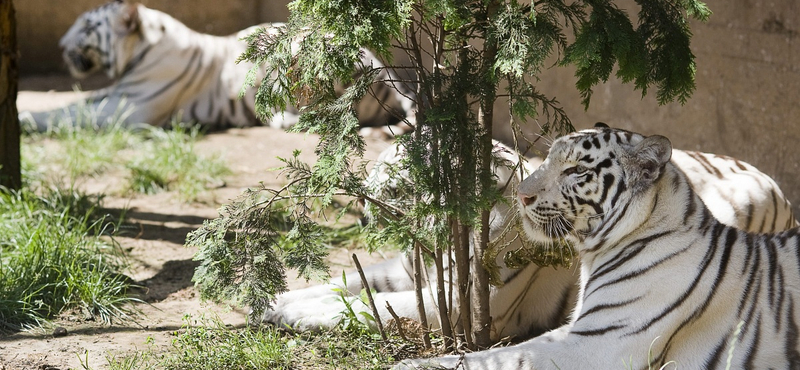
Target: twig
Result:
[[389, 210], [365, 284], [397, 322]]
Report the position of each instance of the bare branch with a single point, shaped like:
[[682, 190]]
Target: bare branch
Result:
[[365, 284]]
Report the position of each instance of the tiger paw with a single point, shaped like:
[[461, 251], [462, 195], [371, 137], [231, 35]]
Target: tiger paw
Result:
[[307, 314], [441, 363]]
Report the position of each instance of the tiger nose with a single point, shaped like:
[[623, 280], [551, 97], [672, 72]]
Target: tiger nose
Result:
[[526, 199]]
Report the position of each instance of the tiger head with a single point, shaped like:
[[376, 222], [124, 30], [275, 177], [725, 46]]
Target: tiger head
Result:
[[106, 37], [587, 180]]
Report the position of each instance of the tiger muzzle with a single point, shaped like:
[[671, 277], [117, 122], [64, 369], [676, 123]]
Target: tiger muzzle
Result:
[[79, 62]]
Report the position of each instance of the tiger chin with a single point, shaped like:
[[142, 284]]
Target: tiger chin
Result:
[[662, 281]]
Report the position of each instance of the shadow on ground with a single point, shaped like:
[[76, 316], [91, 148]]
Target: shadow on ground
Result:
[[173, 277]]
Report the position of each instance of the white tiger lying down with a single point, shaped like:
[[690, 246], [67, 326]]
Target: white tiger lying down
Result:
[[162, 69], [533, 299], [661, 280]]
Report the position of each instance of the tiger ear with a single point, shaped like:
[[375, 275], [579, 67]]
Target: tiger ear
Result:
[[650, 156], [601, 125], [131, 21], [128, 21]]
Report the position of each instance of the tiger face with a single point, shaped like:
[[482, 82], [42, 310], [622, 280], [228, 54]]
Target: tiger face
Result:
[[585, 178], [103, 38]]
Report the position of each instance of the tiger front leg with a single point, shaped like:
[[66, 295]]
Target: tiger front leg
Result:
[[329, 310], [99, 111], [550, 351], [311, 309], [34, 121], [324, 306], [504, 358]]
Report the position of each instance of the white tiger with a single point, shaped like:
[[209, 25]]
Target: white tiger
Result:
[[164, 70], [532, 300], [661, 280]]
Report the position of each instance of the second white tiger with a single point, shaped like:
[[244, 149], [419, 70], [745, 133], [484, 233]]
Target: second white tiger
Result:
[[163, 70]]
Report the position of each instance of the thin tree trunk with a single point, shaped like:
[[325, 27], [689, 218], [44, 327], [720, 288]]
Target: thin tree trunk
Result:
[[452, 287], [417, 255], [10, 176], [365, 284], [444, 314], [481, 315], [438, 162], [423, 317], [461, 241]]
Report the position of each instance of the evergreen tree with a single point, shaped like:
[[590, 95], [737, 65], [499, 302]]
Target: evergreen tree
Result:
[[461, 52]]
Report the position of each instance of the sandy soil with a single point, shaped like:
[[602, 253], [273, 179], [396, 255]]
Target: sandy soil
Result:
[[160, 261]]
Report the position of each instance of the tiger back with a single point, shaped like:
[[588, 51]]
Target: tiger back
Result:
[[661, 279]]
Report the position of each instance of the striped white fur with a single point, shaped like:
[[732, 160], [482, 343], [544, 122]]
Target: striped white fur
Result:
[[163, 70], [532, 299], [661, 279]]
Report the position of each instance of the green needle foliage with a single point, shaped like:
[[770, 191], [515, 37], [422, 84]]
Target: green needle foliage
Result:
[[460, 53], [244, 252], [656, 53]]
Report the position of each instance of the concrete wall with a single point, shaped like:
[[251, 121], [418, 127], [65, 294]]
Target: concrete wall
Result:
[[748, 77]]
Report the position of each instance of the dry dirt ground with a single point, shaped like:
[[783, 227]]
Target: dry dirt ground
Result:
[[160, 262]]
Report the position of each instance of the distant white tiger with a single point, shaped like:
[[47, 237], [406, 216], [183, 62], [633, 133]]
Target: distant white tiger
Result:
[[661, 280], [162, 69], [532, 300]]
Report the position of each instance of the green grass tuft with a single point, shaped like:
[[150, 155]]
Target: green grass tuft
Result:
[[208, 344], [169, 161], [76, 149], [151, 159], [55, 255]]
